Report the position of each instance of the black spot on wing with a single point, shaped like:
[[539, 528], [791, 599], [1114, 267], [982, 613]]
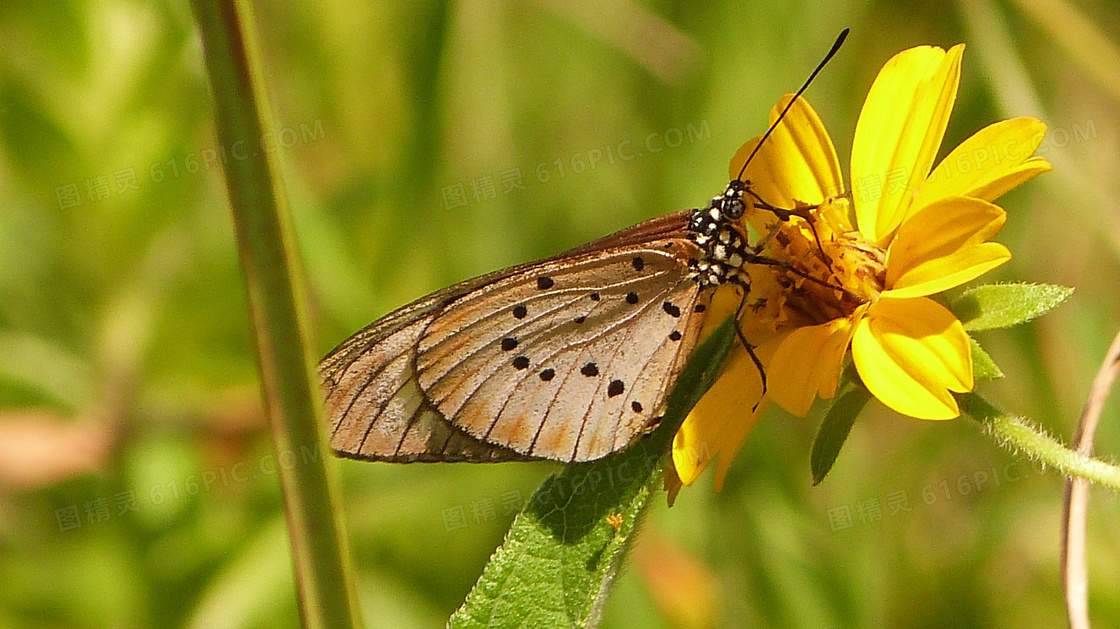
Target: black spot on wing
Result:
[[590, 370], [545, 283], [508, 344], [520, 311], [521, 362], [615, 388]]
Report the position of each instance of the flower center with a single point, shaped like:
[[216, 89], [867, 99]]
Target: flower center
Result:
[[832, 271]]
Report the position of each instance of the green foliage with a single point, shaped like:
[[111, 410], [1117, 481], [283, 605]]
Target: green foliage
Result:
[[834, 429], [992, 306], [983, 367], [258, 205]]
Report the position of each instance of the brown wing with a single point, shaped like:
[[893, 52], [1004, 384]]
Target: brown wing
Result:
[[375, 408], [569, 361], [378, 409]]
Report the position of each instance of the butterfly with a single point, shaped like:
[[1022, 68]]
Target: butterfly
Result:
[[569, 358]]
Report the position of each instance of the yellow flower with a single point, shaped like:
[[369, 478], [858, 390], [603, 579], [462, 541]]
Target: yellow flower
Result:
[[918, 231]]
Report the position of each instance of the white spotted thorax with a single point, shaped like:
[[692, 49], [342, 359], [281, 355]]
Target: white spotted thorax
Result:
[[569, 358], [717, 229]]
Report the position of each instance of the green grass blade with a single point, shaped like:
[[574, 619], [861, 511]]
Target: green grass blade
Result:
[[264, 238]]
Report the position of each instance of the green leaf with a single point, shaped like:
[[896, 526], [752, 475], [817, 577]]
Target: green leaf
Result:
[[834, 429], [561, 554], [983, 367], [1004, 305]]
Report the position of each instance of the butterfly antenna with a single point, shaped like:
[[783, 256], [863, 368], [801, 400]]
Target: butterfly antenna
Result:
[[820, 66]]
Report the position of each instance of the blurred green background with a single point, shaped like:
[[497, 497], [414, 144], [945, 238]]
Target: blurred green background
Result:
[[425, 142]]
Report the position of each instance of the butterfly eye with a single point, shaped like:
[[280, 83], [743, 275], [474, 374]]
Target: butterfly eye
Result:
[[731, 203], [734, 208]]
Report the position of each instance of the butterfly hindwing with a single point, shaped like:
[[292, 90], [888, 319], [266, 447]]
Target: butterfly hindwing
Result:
[[375, 407], [570, 360]]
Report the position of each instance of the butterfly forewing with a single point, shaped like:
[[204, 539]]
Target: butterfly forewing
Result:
[[561, 301], [567, 361], [618, 381]]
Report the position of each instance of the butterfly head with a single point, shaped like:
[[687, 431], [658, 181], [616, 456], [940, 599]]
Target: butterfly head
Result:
[[724, 209], [731, 202]]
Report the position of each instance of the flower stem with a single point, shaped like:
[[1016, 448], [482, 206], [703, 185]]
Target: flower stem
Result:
[[1020, 436], [264, 239]]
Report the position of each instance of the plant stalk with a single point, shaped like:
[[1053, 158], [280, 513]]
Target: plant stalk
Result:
[[264, 239]]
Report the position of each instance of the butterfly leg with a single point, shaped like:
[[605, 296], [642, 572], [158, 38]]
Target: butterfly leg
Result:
[[746, 290], [785, 215], [755, 360], [765, 242], [757, 259]]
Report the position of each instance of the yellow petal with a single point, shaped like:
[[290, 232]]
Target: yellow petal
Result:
[[911, 353], [942, 246], [941, 274], [994, 160], [721, 420], [797, 163], [733, 437], [898, 133], [807, 363], [724, 303]]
